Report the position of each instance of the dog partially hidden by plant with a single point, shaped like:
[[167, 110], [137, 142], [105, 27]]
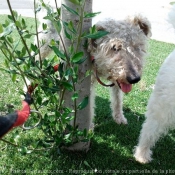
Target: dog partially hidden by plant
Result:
[[117, 57]]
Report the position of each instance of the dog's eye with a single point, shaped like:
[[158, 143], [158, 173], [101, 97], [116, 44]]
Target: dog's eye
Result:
[[114, 48], [137, 48]]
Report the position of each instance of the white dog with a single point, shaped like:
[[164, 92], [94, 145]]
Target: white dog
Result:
[[160, 114]]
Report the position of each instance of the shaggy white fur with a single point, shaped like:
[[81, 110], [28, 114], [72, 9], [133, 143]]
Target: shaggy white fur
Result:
[[160, 114], [119, 57]]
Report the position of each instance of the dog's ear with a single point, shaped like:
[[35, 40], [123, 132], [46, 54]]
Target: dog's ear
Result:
[[99, 28], [142, 23], [92, 45]]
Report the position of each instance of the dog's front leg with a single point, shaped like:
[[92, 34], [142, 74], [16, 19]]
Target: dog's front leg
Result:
[[117, 105], [92, 101]]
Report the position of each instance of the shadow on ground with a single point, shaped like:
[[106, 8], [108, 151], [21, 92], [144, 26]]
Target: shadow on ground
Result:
[[111, 150]]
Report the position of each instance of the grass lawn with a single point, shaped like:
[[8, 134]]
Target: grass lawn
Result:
[[111, 150], [172, 3]]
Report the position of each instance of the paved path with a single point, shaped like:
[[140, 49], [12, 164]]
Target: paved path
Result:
[[156, 11]]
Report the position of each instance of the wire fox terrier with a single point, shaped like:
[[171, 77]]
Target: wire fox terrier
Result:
[[118, 57], [160, 114]]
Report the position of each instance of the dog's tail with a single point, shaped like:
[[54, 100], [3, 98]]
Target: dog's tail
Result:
[[171, 16]]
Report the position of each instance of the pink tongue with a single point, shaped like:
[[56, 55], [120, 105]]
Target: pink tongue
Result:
[[126, 87]]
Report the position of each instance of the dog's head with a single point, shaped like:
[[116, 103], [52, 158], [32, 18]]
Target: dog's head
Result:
[[119, 55]]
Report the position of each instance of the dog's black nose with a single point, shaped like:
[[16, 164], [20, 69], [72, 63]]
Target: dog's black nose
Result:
[[133, 80]]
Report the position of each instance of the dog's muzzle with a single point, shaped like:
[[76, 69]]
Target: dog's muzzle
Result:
[[133, 80], [125, 87]]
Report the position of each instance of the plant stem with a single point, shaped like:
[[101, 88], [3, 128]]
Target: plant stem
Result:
[[36, 29], [56, 4], [11, 11], [80, 27], [9, 142], [18, 67], [20, 34], [13, 144]]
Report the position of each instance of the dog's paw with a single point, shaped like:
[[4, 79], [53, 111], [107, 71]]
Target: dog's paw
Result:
[[142, 155], [120, 120], [142, 160]]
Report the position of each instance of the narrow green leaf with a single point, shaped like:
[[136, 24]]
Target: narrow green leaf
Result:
[[48, 17], [23, 51], [6, 63], [91, 15], [88, 72], [18, 24], [58, 52], [44, 26], [60, 69], [34, 47], [67, 85], [75, 96], [39, 100], [14, 76], [58, 13], [85, 132], [87, 164], [77, 57], [81, 60], [45, 103], [70, 10], [76, 2], [7, 30], [57, 25], [53, 42], [68, 73], [96, 35], [31, 76], [84, 103], [10, 17], [27, 36], [65, 24], [71, 27], [7, 22], [71, 49], [93, 29], [15, 14], [23, 23], [1, 28], [50, 85], [10, 39], [67, 34]]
